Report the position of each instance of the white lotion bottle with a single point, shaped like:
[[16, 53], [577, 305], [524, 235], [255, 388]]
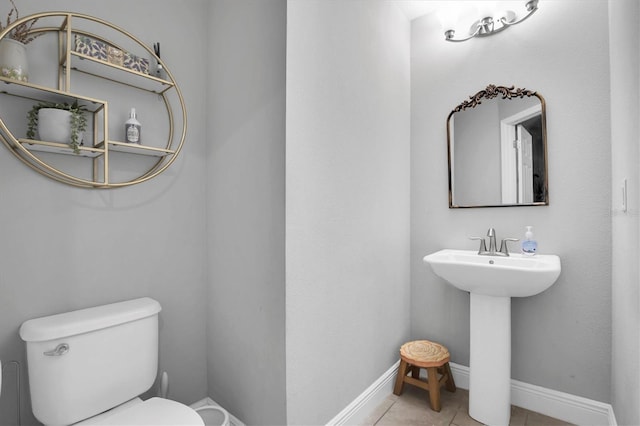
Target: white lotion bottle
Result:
[[132, 128], [529, 245]]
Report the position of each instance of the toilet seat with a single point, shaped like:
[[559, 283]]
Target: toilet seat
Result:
[[153, 411]]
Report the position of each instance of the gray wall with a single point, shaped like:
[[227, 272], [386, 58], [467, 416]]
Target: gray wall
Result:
[[246, 128], [347, 210], [561, 338], [477, 157], [625, 110], [64, 248]]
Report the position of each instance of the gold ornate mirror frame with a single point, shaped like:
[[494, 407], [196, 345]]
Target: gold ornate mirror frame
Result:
[[497, 155]]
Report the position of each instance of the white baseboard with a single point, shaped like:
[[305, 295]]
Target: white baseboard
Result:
[[460, 375], [208, 401], [367, 401], [570, 408]]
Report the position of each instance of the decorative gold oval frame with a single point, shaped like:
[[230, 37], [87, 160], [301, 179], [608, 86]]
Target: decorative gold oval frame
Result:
[[175, 140]]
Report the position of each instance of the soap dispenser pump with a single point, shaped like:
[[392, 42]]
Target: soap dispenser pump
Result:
[[132, 128], [529, 245]]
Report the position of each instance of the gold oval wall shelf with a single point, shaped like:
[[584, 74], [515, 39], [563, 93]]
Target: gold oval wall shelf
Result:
[[101, 157]]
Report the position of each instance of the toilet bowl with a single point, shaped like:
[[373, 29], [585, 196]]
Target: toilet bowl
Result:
[[153, 411], [90, 366], [213, 415]]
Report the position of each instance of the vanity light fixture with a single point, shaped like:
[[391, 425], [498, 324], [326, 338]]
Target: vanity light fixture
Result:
[[488, 26]]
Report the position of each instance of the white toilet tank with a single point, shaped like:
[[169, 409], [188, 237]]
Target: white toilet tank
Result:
[[84, 362]]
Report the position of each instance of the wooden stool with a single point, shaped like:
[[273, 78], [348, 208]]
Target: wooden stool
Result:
[[435, 359]]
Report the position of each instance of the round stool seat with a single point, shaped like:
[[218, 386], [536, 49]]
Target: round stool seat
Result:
[[424, 353]]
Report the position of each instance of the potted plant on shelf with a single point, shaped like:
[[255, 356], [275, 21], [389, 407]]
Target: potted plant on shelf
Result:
[[13, 53], [58, 122]]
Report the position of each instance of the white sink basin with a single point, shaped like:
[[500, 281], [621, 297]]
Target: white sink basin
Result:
[[513, 276], [492, 281]]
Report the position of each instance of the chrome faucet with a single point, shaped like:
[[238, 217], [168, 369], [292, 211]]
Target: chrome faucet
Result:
[[491, 233]]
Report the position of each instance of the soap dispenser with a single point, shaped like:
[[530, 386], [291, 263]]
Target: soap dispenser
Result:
[[132, 128], [529, 245]]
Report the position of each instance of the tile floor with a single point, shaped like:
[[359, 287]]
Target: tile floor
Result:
[[412, 408]]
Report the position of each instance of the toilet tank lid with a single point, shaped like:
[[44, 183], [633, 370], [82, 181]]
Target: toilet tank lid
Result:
[[87, 320]]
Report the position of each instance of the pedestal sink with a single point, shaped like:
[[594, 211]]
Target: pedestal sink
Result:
[[492, 282]]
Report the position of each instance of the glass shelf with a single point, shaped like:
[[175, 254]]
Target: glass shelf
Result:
[[118, 74], [46, 94], [131, 148], [59, 148], [92, 152]]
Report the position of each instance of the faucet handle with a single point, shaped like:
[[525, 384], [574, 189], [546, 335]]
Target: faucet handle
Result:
[[503, 245], [483, 244]]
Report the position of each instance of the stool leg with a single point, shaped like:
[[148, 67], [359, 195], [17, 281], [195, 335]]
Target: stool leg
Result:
[[450, 384], [434, 388], [415, 372], [402, 371]]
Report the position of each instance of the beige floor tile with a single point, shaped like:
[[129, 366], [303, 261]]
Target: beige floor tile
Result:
[[399, 416], [518, 416], [463, 418], [460, 397], [536, 419], [412, 409], [380, 411]]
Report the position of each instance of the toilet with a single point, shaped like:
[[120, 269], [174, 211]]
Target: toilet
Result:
[[88, 367]]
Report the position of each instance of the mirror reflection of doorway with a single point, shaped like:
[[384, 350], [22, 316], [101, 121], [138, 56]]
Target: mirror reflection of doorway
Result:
[[524, 164], [522, 171]]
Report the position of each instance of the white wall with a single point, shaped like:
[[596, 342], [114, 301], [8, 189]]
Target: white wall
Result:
[[64, 248], [347, 210], [562, 337], [245, 158], [625, 111]]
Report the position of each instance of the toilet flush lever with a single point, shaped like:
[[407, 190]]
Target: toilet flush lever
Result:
[[61, 349]]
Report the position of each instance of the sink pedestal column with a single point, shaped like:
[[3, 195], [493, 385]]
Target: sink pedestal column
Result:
[[490, 359]]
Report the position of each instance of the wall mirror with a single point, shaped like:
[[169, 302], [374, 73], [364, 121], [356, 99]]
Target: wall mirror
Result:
[[497, 149]]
